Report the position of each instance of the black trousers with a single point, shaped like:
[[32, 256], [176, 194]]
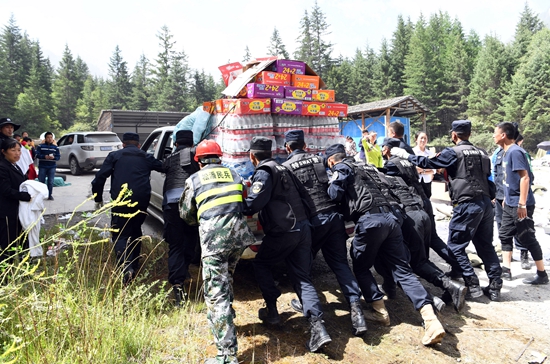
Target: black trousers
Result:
[[523, 230], [128, 239], [378, 238], [10, 229], [329, 236], [294, 248], [182, 240], [498, 217]]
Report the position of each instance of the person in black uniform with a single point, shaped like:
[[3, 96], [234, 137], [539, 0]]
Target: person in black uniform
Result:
[[328, 232], [468, 169], [397, 131], [11, 177], [277, 195], [396, 166], [132, 166], [377, 238], [181, 238]]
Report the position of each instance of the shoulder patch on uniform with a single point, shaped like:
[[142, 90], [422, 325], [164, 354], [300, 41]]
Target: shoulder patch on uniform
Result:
[[257, 187]]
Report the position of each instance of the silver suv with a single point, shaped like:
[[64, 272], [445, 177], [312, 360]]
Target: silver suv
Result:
[[84, 151]]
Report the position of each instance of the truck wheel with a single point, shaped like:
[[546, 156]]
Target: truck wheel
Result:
[[75, 168]]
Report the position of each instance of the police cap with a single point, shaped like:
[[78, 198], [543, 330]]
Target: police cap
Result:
[[184, 137], [461, 126], [335, 149], [7, 121], [130, 136], [260, 143], [296, 135], [391, 143]]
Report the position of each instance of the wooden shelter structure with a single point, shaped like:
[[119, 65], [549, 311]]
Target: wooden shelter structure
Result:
[[402, 106], [141, 122]]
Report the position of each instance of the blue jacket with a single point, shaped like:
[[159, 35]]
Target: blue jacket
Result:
[[46, 149]]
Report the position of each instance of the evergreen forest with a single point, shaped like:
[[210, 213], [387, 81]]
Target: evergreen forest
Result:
[[456, 74]]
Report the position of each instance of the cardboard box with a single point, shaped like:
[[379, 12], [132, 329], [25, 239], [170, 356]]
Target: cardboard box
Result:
[[213, 107], [286, 106], [273, 78], [297, 93], [316, 108], [247, 106], [288, 66], [303, 81], [230, 72], [257, 90], [323, 95]]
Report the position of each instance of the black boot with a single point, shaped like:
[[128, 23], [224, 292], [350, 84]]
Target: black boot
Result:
[[525, 259], [457, 291], [472, 282], [319, 335], [357, 319], [493, 289], [269, 314]]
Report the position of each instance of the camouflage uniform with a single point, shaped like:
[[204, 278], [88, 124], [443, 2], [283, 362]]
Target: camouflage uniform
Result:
[[223, 238]]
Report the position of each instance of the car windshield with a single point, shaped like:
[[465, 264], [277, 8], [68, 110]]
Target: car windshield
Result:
[[101, 138]]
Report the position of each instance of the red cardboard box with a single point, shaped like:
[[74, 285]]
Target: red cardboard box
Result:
[[273, 78], [247, 106], [316, 108], [323, 95], [213, 107], [303, 81], [296, 93]]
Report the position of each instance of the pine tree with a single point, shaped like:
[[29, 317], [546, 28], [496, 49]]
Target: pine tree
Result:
[[528, 101], [304, 52], [65, 90], [383, 79], [529, 24], [13, 72], [203, 88], [119, 86], [339, 79], [276, 46], [33, 107], [321, 48], [399, 51], [362, 76], [247, 57], [82, 73], [487, 85], [93, 100], [140, 85]]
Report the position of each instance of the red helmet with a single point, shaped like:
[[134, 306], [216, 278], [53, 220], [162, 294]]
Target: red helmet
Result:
[[207, 147]]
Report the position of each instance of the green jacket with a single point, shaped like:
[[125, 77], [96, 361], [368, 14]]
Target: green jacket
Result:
[[373, 154]]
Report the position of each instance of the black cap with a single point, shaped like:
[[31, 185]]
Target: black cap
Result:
[[130, 136], [260, 143], [391, 142], [296, 135], [461, 126], [184, 137], [7, 121], [335, 149]]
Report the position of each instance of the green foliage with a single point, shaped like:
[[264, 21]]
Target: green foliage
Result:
[[66, 90], [247, 56], [118, 86], [141, 85], [276, 46]]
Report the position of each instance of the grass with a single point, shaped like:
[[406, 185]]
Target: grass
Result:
[[73, 308]]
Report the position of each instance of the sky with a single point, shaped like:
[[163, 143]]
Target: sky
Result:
[[216, 32]]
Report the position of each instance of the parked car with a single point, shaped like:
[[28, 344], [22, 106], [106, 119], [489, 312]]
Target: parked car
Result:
[[160, 144], [84, 151]]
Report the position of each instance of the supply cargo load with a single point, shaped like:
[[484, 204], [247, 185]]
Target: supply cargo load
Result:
[[269, 97]]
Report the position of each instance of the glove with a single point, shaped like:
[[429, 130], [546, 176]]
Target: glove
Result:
[[399, 152], [24, 196], [98, 205]]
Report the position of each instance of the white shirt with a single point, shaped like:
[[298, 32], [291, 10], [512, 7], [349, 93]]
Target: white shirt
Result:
[[425, 177]]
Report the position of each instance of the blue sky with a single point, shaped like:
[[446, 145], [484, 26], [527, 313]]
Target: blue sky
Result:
[[213, 32]]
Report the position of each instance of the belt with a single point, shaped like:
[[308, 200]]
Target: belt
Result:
[[379, 209]]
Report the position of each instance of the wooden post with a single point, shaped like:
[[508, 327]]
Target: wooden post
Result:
[[362, 121], [387, 121], [424, 122]]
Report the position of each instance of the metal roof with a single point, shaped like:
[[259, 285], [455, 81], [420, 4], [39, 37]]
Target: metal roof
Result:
[[401, 106]]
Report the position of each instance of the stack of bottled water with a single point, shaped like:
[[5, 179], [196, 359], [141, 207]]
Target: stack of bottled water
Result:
[[235, 132]]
